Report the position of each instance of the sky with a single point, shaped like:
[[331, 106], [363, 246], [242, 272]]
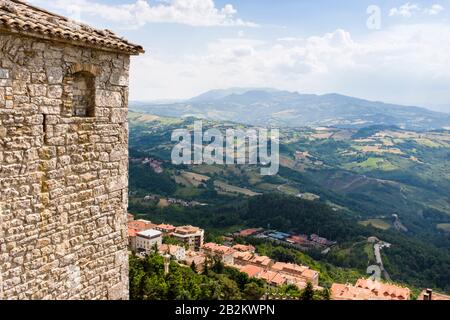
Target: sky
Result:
[[391, 51]]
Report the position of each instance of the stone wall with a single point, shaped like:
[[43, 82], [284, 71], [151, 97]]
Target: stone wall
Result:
[[63, 179]]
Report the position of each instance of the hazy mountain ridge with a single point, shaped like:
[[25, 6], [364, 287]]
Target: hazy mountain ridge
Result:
[[256, 106]]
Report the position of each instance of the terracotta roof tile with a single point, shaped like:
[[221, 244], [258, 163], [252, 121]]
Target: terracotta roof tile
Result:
[[272, 277], [384, 289], [244, 248], [131, 232], [20, 17], [289, 267], [218, 249], [310, 274], [369, 290], [248, 232], [251, 270]]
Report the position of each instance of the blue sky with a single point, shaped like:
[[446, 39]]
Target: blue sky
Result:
[[316, 46]]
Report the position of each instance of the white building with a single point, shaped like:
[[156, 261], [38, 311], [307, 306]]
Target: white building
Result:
[[177, 252], [146, 240]]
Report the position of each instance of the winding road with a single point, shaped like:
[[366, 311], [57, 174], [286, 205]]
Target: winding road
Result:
[[377, 250]]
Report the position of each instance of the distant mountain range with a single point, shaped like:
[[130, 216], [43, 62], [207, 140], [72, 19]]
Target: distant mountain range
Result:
[[265, 106]]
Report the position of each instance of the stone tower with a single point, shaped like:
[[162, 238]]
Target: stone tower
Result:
[[63, 157]]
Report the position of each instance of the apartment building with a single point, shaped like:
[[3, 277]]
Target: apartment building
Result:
[[190, 236], [167, 229], [134, 227], [146, 240]]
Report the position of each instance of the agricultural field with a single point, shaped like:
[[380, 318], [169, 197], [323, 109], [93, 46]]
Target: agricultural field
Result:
[[190, 179], [364, 176], [229, 189], [377, 223]]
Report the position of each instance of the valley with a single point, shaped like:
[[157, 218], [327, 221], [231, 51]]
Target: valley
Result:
[[346, 184]]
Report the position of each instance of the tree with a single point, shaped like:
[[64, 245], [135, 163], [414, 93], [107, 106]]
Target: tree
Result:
[[148, 282], [205, 269], [228, 288], [155, 288], [218, 266], [325, 294], [308, 292], [137, 274], [155, 248], [193, 266], [289, 290], [252, 291]]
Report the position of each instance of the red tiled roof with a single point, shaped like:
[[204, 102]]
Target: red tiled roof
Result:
[[349, 292], [136, 226], [244, 248], [369, 290], [310, 274], [298, 239], [187, 230], [262, 260], [246, 256], [166, 227], [20, 17], [289, 267], [140, 225], [272, 277], [384, 289], [251, 270], [218, 249], [248, 232]]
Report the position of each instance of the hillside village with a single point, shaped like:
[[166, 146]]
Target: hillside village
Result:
[[146, 237], [355, 182], [299, 241]]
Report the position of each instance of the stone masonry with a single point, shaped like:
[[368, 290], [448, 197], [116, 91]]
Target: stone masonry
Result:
[[63, 165]]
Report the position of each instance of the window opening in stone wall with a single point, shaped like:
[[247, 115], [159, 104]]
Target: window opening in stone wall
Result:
[[83, 94], [44, 127]]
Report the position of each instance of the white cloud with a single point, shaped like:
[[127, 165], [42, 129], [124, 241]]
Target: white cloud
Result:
[[200, 13], [408, 10], [405, 64], [434, 10]]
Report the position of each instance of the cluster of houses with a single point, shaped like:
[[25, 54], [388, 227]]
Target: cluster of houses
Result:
[[300, 241], [368, 289], [183, 203], [174, 201], [146, 237], [274, 273], [155, 165]]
